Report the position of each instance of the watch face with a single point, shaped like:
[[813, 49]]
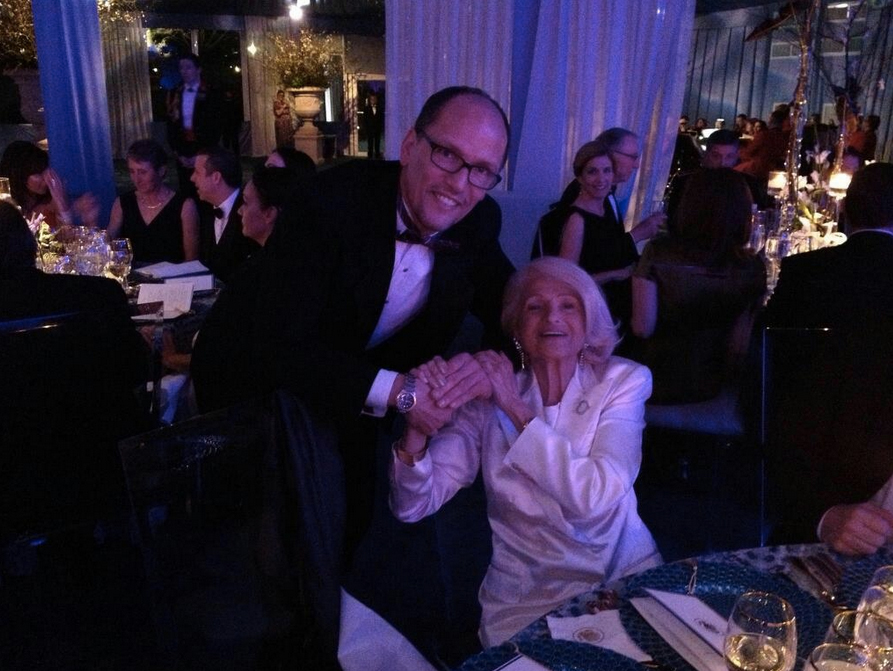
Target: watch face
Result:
[[405, 401]]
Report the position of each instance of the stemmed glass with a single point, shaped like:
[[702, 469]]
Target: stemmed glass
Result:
[[761, 634], [840, 657], [5, 193], [120, 260]]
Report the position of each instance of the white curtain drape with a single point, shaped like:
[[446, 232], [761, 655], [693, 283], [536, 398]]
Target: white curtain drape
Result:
[[437, 43], [127, 83], [564, 70]]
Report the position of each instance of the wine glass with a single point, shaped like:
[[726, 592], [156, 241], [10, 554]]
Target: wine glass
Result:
[[861, 628], [877, 600], [761, 634], [120, 260], [883, 577], [840, 657], [5, 193]]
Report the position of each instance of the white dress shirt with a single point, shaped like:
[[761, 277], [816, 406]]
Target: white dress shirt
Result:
[[227, 207], [188, 98], [407, 295]]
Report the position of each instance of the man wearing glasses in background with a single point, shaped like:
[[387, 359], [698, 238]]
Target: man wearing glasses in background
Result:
[[378, 266]]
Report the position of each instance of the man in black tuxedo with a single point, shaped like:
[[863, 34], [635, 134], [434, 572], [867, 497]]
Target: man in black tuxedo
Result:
[[194, 118], [373, 122], [379, 266], [834, 442], [218, 180], [852, 284]]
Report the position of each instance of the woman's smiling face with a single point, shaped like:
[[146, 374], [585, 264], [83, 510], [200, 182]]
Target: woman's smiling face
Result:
[[552, 324]]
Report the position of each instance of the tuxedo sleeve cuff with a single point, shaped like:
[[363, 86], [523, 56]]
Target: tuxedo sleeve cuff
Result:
[[377, 399]]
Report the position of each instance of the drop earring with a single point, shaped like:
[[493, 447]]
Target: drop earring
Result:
[[520, 353]]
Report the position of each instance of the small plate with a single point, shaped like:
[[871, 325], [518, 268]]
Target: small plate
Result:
[[718, 585], [554, 655]]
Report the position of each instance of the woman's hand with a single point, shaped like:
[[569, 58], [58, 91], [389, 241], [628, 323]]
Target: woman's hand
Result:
[[506, 394], [57, 191], [87, 209]]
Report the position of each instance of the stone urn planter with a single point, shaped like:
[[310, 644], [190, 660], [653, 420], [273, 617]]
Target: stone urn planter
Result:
[[307, 103]]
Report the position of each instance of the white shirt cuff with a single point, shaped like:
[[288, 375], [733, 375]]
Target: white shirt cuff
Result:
[[377, 400]]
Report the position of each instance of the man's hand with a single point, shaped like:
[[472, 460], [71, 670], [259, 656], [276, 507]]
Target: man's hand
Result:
[[856, 529], [648, 227], [457, 381]]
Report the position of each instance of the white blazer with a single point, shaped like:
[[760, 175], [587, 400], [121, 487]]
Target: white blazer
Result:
[[560, 496]]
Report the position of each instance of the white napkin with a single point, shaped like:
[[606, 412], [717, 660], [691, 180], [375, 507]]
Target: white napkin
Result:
[[198, 282], [602, 629], [687, 624]]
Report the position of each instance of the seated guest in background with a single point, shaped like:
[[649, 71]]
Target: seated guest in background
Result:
[[223, 368], [623, 147], [218, 180], [740, 125], [588, 232], [864, 139], [847, 285], [837, 450], [98, 405], [289, 157], [721, 152], [767, 151], [696, 288], [38, 189], [559, 445], [161, 224]]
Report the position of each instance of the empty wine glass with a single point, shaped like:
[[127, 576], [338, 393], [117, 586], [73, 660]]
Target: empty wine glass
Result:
[[877, 600], [861, 628], [761, 634], [840, 657]]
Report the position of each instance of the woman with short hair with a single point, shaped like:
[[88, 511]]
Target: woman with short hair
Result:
[[559, 446], [161, 224]]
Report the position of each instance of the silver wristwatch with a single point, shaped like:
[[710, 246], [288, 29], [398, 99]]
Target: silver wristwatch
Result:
[[406, 398]]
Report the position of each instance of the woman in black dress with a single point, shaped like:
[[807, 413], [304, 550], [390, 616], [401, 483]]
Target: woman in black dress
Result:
[[588, 232], [161, 224]]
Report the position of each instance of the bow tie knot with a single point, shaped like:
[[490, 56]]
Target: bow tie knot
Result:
[[218, 213]]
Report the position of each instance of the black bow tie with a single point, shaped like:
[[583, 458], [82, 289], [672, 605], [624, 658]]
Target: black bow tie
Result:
[[218, 213], [191, 90], [413, 237]]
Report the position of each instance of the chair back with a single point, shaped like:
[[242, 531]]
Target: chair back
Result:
[[65, 401], [826, 421]]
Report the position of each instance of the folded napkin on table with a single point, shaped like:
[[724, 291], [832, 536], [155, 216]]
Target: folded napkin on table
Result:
[[602, 629]]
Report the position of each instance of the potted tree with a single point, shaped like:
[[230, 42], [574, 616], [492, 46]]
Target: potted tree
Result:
[[305, 65]]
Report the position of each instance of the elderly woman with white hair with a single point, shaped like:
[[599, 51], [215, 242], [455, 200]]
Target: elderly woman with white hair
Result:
[[559, 444]]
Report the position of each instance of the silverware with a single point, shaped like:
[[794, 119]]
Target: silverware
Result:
[[824, 575]]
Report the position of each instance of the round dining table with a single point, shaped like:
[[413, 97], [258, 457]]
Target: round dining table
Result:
[[717, 579]]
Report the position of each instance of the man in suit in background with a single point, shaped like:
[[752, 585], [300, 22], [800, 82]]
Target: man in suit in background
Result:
[[380, 264], [832, 448], [194, 119], [721, 152], [218, 180], [850, 285], [373, 121]]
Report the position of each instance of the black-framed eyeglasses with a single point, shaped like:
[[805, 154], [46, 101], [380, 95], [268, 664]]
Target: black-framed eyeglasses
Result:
[[634, 157], [448, 160]]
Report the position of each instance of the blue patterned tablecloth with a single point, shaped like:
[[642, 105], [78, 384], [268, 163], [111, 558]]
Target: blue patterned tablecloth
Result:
[[771, 560]]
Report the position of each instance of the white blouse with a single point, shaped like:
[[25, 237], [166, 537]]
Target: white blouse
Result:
[[560, 495]]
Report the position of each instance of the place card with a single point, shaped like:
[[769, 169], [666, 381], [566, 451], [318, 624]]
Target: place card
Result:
[[198, 282], [177, 298], [163, 270]]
